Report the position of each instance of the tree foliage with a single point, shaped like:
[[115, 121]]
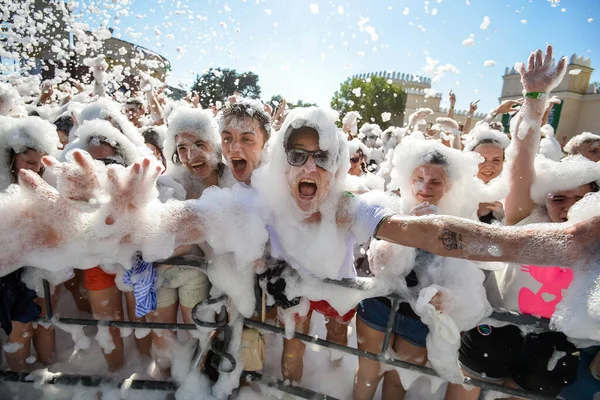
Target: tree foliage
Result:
[[277, 99], [370, 97], [218, 84]]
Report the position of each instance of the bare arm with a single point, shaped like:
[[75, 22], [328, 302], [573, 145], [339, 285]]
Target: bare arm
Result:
[[540, 77], [155, 109], [452, 104], [447, 236], [469, 121]]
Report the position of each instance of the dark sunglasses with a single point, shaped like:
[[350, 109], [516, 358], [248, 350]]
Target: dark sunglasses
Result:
[[355, 160], [298, 157]]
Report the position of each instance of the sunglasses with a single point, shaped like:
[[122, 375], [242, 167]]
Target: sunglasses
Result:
[[355, 160], [298, 157]]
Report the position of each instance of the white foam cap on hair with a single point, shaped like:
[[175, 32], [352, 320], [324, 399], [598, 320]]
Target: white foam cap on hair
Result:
[[568, 174], [31, 132], [354, 145], [576, 141], [370, 128], [103, 130], [483, 132], [319, 119]]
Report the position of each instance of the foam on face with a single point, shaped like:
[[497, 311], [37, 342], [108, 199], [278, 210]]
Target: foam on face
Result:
[[573, 145], [568, 174]]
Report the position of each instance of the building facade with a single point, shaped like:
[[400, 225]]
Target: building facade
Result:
[[420, 95]]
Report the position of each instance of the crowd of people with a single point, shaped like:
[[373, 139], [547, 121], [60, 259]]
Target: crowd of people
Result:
[[99, 190]]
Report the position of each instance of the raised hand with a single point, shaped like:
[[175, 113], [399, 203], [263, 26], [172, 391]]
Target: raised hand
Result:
[[508, 106], [540, 75], [424, 209], [473, 107], [418, 117], [78, 180], [452, 97], [132, 188]]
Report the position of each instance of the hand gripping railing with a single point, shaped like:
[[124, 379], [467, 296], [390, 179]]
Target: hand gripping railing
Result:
[[220, 325]]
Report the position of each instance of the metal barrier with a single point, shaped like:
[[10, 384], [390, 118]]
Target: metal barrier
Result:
[[95, 381]]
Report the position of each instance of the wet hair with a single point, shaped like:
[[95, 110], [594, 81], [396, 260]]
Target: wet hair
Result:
[[595, 187], [33, 113], [245, 109], [297, 132], [363, 165], [151, 136], [134, 101], [64, 123], [435, 157], [99, 140]]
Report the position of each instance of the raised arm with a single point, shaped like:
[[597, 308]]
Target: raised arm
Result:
[[469, 121], [538, 79], [156, 111], [447, 236], [452, 104]]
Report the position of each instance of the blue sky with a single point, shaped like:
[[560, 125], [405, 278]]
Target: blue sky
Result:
[[305, 49]]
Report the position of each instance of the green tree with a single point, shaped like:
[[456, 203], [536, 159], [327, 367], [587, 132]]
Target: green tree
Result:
[[276, 99], [218, 84], [370, 97]]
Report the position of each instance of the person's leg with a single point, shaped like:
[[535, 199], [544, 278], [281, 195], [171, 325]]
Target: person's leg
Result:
[[368, 374], [143, 344], [162, 340], [392, 386], [292, 363], [73, 285], [108, 304], [19, 346], [44, 339]]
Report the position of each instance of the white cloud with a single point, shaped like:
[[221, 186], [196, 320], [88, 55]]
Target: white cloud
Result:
[[489, 63], [470, 41], [486, 22]]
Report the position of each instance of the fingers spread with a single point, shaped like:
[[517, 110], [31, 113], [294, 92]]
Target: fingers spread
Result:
[[30, 181], [549, 53], [531, 62]]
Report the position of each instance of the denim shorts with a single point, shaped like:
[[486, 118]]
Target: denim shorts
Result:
[[375, 314]]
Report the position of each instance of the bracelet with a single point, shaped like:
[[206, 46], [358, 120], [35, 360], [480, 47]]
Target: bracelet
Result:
[[452, 107], [536, 95]]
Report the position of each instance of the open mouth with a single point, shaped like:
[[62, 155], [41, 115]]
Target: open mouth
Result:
[[307, 189], [198, 165], [239, 165]]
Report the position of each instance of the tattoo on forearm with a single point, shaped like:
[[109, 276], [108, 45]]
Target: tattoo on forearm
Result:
[[451, 240]]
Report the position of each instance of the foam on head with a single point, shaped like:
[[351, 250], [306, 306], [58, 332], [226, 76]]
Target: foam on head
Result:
[[270, 179], [20, 134], [243, 107], [549, 146], [483, 132], [573, 145], [464, 191], [568, 174], [100, 131]]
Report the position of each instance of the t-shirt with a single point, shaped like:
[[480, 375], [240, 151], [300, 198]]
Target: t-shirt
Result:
[[529, 289], [365, 220]]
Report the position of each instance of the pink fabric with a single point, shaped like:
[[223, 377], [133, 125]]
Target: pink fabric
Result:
[[543, 303]]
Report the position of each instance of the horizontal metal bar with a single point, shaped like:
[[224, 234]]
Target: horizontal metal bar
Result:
[[394, 362], [118, 324], [88, 381]]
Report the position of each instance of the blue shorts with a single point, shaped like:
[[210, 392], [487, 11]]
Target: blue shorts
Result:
[[375, 314]]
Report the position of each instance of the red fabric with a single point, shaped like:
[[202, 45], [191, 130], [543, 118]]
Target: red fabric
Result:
[[323, 307], [96, 279]]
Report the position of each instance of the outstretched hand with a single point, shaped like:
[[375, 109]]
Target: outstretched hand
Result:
[[540, 75]]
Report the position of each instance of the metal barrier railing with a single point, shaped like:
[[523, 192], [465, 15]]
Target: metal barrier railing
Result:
[[137, 384]]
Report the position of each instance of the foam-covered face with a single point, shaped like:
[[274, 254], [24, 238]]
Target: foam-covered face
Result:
[[429, 182], [559, 203], [102, 150], [591, 150], [197, 156], [308, 183], [242, 142], [493, 162], [356, 160], [371, 140], [30, 159], [134, 112]]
